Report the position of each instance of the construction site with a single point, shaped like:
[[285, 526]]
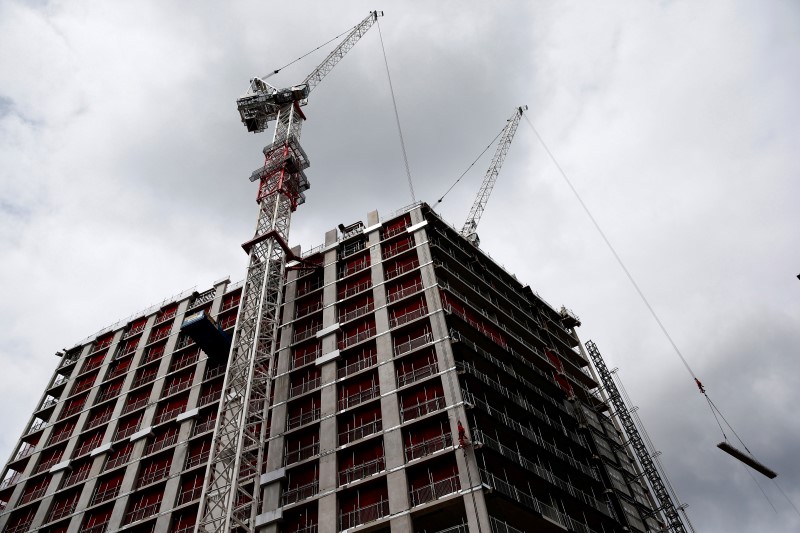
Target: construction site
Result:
[[392, 378]]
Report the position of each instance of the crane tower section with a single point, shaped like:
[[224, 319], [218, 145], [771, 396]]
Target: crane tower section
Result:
[[471, 225], [231, 493]]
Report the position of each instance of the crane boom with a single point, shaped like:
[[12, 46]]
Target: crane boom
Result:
[[471, 225], [231, 499], [324, 68]]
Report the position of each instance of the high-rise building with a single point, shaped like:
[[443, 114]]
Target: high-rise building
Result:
[[417, 387]]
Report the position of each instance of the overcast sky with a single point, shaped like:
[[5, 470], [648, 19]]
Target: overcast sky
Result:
[[123, 180]]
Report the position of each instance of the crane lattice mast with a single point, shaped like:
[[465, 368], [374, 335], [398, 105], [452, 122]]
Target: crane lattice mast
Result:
[[231, 495], [471, 225], [646, 459]]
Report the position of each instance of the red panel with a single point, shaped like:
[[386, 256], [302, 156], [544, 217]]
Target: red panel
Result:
[[422, 394], [426, 431], [398, 224], [98, 517], [304, 475]]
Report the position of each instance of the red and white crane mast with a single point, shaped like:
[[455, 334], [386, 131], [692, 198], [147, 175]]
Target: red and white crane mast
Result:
[[231, 494]]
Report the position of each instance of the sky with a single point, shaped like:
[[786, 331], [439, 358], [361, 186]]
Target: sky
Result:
[[123, 181]]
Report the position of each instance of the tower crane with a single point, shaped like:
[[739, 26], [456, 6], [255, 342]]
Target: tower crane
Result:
[[231, 494], [507, 135]]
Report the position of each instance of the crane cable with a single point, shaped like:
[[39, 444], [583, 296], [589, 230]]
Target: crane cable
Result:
[[309, 53], [714, 409], [396, 115], [470, 166]]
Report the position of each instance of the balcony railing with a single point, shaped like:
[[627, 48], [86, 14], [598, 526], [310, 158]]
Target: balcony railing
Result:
[[101, 418], [190, 495], [304, 387], [197, 459], [170, 414], [131, 407], [365, 361], [152, 475], [96, 528], [36, 426], [230, 304], [352, 248], [406, 291], [159, 445], [385, 234], [422, 408], [399, 320], [357, 312], [361, 471], [362, 515], [355, 338], [55, 438], [307, 310], [429, 446], [357, 398], [533, 503], [69, 411], [309, 286], [209, 397], [355, 267], [402, 269], [60, 380], [33, 495], [435, 490], [106, 494], [412, 344], [175, 388], [307, 333], [7, 482], [25, 450], [127, 432], [303, 418], [60, 510], [415, 374], [355, 289], [205, 425], [301, 453], [75, 476], [88, 446], [395, 249], [142, 512], [306, 358], [46, 465], [300, 493], [49, 402], [359, 432], [117, 461]]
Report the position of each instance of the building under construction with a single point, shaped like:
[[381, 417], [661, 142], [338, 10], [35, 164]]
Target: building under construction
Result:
[[417, 386], [393, 379]]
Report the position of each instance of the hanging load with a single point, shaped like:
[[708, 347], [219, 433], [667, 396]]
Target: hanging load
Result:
[[208, 335], [746, 459]]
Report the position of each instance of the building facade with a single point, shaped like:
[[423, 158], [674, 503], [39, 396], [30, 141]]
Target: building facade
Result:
[[417, 387]]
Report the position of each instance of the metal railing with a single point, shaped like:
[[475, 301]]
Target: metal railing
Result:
[[306, 358], [159, 445], [364, 514], [410, 376], [130, 407], [307, 310], [402, 293], [365, 361], [395, 321], [347, 270], [307, 333], [412, 344], [402, 269], [141, 513], [357, 398], [359, 432], [429, 446], [355, 289], [422, 408], [301, 453], [396, 249], [435, 490], [106, 494], [305, 386], [303, 418], [357, 312], [118, 461], [361, 471], [355, 338], [300, 493]]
